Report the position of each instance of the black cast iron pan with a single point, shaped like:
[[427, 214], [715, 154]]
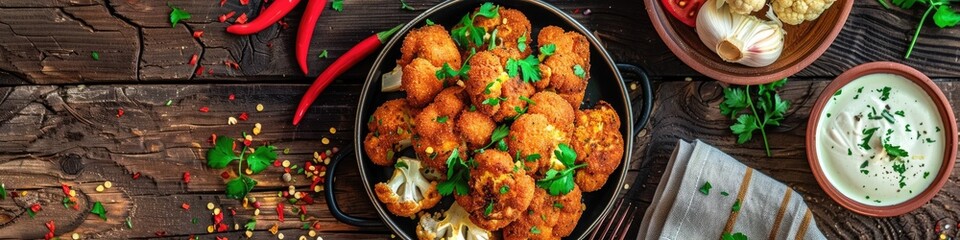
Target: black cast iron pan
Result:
[[606, 84]]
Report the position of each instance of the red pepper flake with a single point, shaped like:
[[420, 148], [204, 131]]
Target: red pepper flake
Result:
[[232, 97], [217, 219], [283, 24], [303, 210], [241, 19], [222, 2], [247, 142], [276, 163], [185, 206], [316, 180], [213, 138], [225, 175], [136, 175], [280, 211], [307, 199], [223, 18], [193, 59], [269, 44], [210, 71], [197, 33], [35, 208], [66, 189], [233, 212], [186, 177], [222, 238], [207, 109], [243, 116], [256, 205], [316, 225], [120, 112], [199, 71], [52, 228], [576, 10], [231, 64], [244, 2], [161, 233]]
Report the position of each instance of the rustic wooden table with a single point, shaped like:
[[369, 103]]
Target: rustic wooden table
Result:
[[59, 120]]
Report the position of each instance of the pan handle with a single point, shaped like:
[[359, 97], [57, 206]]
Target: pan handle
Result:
[[642, 103], [332, 200]]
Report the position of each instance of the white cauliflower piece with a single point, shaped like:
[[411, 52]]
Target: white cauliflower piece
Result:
[[407, 192], [745, 7], [794, 12], [455, 225]]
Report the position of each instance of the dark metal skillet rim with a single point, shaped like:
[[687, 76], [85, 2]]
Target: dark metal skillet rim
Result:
[[374, 76]]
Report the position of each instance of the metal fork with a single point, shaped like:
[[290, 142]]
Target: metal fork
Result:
[[613, 226]]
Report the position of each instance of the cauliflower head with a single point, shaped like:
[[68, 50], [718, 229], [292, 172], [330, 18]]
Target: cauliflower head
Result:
[[500, 190], [745, 7], [567, 71], [407, 192], [599, 144], [453, 224], [390, 131], [794, 12]]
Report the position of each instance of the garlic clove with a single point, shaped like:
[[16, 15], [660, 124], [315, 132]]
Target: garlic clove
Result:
[[738, 38]]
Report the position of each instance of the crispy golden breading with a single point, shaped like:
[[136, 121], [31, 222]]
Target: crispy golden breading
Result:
[[451, 101], [510, 24], [486, 76], [420, 82], [475, 128], [500, 191], [434, 139], [553, 217], [555, 108], [389, 125], [512, 90], [532, 134], [598, 142], [432, 43], [557, 70]]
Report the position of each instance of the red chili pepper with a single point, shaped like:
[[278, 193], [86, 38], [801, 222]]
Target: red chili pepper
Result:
[[347, 60], [305, 31], [213, 138], [267, 17], [280, 211]]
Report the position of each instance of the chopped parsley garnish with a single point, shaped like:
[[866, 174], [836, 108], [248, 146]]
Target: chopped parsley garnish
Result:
[[442, 119], [492, 101], [866, 140], [404, 6], [865, 164], [886, 115], [504, 189], [531, 102], [467, 32], [496, 137], [522, 42], [926, 174], [430, 22], [735, 236], [736, 206], [547, 50], [895, 152], [488, 210], [930, 140], [176, 15], [900, 167], [900, 113], [724, 193], [337, 5], [838, 92], [532, 157], [884, 93], [534, 230], [558, 205], [458, 175], [864, 171], [849, 152], [528, 68], [578, 70], [493, 40], [446, 72], [560, 182], [705, 189]]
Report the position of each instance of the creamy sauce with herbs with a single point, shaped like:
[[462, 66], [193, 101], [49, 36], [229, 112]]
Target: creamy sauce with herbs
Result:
[[880, 140]]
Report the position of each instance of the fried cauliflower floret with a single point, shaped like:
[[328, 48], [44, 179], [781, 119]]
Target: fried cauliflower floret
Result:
[[557, 110], [510, 25], [390, 131], [745, 7], [475, 128], [598, 142], [407, 192], [516, 92], [434, 136], [794, 12], [558, 70], [454, 224], [420, 81], [432, 43], [549, 217], [533, 139], [425, 51], [486, 77], [500, 191]]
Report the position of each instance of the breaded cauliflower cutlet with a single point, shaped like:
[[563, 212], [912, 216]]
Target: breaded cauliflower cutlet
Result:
[[475, 128], [434, 135], [510, 25], [548, 217], [390, 129], [558, 112], [598, 143], [500, 191], [559, 71], [533, 139], [486, 78], [424, 51]]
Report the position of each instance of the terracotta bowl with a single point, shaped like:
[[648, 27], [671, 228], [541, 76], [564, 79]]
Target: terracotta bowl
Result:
[[949, 128], [804, 44]]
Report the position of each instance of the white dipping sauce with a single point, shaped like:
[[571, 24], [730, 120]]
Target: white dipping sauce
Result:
[[862, 117]]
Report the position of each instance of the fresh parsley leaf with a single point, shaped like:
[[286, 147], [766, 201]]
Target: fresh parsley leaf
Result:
[[736, 206], [578, 70], [222, 153], [504, 189], [895, 152], [734, 101], [491, 101], [458, 175], [3, 191], [532, 157], [488, 10], [565, 154], [559, 182], [547, 50], [467, 33], [522, 42], [323, 54], [404, 6], [99, 210], [261, 159], [251, 224], [767, 109], [177, 15], [442, 119], [430, 22], [239, 187], [865, 142], [529, 68], [446, 72], [488, 209], [401, 164], [526, 99], [534, 230], [735, 236], [705, 189], [744, 128], [946, 16], [337, 5]]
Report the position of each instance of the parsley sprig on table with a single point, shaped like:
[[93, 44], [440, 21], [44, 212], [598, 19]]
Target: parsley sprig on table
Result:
[[766, 109], [223, 154], [944, 15]]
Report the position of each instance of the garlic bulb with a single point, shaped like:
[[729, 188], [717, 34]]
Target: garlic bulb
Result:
[[737, 38]]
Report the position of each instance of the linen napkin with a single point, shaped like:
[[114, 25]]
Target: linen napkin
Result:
[[739, 200]]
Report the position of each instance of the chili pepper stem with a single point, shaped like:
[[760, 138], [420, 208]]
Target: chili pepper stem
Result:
[[385, 35]]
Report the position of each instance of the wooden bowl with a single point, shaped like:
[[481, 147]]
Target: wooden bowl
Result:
[[949, 128], [803, 44]]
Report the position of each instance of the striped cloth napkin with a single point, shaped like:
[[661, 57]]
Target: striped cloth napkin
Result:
[[681, 210]]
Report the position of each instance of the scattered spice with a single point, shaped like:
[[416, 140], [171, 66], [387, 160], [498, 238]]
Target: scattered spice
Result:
[[197, 34], [185, 206], [245, 2], [186, 177], [99, 210], [95, 55], [705, 189], [120, 112], [51, 227], [337, 5], [241, 19], [243, 116], [34, 209], [323, 54], [176, 15], [199, 71], [136, 175], [232, 97], [193, 59], [280, 211], [223, 18]]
